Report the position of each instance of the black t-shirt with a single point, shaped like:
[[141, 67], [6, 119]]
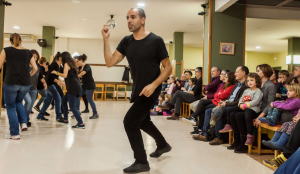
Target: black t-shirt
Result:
[[51, 77], [144, 57], [17, 66], [88, 82]]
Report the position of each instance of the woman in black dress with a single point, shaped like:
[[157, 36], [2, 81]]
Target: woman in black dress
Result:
[[73, 89]]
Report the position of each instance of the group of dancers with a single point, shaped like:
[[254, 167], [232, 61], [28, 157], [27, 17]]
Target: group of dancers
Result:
[[26, 75]]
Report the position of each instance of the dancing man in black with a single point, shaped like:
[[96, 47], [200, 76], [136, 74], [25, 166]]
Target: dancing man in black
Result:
[[144, 52]]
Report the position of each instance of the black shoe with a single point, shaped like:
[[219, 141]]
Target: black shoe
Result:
[[242, 148], [43, 119], [137, 168], [79, 126], [29, 124], [195, 132], [31, 112], [85, 111], [61, 120], [47, 114], [95, 116], [37, 108], [158, 152], [233, 146]]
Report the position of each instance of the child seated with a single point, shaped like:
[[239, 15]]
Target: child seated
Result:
[[281, 93], [191, 86], [156, 110], [292, 104], [165, 106], [282, 136], [172, 88]]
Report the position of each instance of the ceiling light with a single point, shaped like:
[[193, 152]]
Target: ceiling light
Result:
[[75, 1], [275, 58], [16, 27], [141, 4], [111, 23], [258, 47]]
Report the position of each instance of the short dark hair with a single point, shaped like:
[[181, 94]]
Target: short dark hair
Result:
[[226, 70], [190, 72], [266, 69], [257, 79], [142, 13], [199, 69], [193, 80], [245, 69], [284, 72], [218, 69]]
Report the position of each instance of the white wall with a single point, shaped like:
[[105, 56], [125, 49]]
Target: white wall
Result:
[[93, 48]]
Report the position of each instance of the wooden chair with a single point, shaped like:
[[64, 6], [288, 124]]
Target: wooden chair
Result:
[[109, 91], [122, 92], [99, 92], [186, 110], [258, 150]]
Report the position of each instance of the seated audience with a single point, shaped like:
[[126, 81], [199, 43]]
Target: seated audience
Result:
[[165, 106], [205, 104], [181, 96], [240, 117], [180, 83], [156, 110], [290, 148], [282, 136], [235, 95], [292, 104], [281, 93], [172, 89], [219, 96], [210, 89], [275, 77]]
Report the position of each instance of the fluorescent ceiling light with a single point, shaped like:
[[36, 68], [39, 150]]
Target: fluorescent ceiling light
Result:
[[258, 47], [75, 1], [141, 4], [288, 60], [16, 27], [296, 59]]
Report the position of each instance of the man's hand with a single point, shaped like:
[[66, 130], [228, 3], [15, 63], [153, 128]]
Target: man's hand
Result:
[[204, 98], [178, 83], [257, 122], [105, 32], [148, 90], [183, 89]]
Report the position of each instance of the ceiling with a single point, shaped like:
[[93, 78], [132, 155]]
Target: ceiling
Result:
[[164, 17], [272, 3]]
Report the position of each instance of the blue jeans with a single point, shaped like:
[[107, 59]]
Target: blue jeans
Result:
[[51, 94], [13, 96], [43, 94], [89, 96], [291, 166], [218, 125], [29, 99], [72, 103]]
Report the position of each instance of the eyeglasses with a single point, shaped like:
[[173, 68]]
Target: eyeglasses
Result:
[[223, 74]]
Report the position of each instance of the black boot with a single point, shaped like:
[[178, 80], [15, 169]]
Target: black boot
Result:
[[242, 148], [236, 142]]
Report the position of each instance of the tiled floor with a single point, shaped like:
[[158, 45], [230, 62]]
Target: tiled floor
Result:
[[103, 148]]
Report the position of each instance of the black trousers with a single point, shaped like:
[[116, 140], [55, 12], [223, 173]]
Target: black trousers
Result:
[[202, 106], [138, 117], [86, 103], [241, 121], [293, 143]]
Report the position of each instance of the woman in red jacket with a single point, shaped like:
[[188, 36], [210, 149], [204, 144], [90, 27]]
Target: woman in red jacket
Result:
[[223, 94]]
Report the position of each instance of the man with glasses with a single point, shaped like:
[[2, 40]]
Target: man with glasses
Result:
[[181, 96]]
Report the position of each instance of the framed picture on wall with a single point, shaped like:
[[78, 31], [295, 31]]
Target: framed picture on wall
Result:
[[227, 48]]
